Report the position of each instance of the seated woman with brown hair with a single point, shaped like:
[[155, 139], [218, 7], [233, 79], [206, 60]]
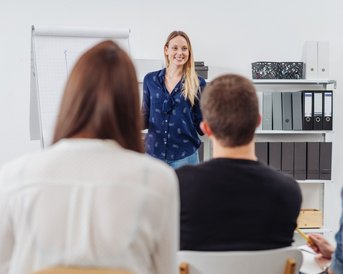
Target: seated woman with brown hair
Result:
[[92, 199]]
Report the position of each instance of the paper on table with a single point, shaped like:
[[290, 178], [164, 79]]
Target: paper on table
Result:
[[309, 265]]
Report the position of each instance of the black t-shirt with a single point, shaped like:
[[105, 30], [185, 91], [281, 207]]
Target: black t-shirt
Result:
[[234, 204]]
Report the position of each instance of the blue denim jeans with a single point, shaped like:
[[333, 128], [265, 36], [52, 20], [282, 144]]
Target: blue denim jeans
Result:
[[189, 160]]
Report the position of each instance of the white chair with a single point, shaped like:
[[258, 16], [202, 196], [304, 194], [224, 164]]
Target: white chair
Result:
[[275, 261]]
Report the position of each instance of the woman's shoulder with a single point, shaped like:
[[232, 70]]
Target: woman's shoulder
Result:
[[153, 74], [16, 168], [158, 167], [160, 175], [202, 81]]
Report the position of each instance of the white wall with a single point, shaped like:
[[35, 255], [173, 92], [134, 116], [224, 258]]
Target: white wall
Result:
[[225, 35]]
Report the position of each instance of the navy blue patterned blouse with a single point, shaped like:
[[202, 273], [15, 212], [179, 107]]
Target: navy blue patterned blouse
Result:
[[173, 123]]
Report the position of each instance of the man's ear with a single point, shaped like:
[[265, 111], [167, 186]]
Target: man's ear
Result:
[[259, 120], [205, 128]]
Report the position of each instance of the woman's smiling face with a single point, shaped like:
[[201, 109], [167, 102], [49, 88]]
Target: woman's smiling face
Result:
[[177, 51]]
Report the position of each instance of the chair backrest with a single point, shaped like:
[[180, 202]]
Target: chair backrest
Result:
[[275, 261], [74, 270]]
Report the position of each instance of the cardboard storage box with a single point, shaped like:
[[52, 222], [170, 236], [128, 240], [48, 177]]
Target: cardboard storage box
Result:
[[310, 218]]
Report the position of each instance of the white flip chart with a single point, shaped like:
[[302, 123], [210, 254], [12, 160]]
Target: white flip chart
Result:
[[54, 52]]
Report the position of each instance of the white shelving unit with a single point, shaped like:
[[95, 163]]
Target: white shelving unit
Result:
[[316, 193]]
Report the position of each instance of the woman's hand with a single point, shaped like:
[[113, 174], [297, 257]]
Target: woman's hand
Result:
[[322, 246]]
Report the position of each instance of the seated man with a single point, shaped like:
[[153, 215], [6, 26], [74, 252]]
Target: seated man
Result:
[[233, 201]]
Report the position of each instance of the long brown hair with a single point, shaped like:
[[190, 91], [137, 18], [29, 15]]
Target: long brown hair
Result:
[[101, 98], [191, 86]]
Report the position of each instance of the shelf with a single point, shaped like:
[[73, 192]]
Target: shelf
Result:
[[314, 181], [293, 82], [293, 136], [313, 230], [314, 132], [282, 82]]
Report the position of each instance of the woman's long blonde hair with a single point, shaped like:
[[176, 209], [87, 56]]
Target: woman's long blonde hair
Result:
[[191, 85]]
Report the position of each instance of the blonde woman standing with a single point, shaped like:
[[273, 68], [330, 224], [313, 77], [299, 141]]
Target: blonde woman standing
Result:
[[170, 106]]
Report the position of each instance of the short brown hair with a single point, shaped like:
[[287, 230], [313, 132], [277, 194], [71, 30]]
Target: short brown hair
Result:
[[101, 98], [229, 105]]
